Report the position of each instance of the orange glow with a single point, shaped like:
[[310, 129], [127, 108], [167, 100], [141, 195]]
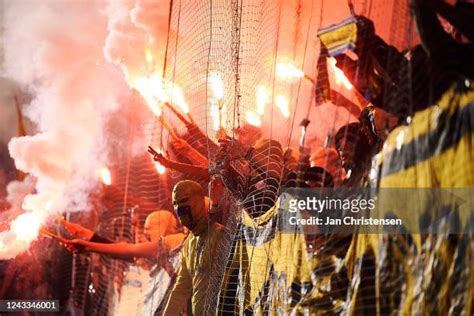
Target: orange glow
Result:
[[177, 97], [105, 176], [148, 56], [160, 168], [26, 226], [263, 97], [151, 88], [216, 109], [282, 104], [339, 75], [217, 86], [253, 119], [288, 71]]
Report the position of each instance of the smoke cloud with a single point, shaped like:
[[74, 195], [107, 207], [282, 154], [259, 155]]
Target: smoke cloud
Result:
[[54, 50]]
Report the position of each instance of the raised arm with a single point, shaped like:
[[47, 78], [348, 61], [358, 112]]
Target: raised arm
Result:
[[190, 170], [119, 250], [123, 250]]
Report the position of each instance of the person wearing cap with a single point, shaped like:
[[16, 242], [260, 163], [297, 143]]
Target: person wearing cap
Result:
[[199, 249]]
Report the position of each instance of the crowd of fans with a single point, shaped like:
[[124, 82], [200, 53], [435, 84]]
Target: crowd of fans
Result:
[[250, 170]]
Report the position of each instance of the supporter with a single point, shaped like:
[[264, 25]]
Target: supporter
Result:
[[317, 177], [354, 151], [381, 71], [248, 134], [328, 159], [266, 171], [194, 135], [182, 149], [199, 249], [161, 228], [199, 172]]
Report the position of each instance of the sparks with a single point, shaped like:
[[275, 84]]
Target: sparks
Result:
[[282, 104], [26, 226], [288, 71], [253, 119], [105, 175], [339, 74], [263, 97]]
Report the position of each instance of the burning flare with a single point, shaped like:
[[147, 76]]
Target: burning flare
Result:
[[253, 119], [288, 71], [26, 227], [105, 176], [217, 87], [177, 97], [282, 103], [151, 88], [155, 91], [148, 56], [263, 97], [159, 167], [339, 74]]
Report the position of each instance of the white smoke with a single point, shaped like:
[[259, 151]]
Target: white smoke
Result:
[[54, 49], [17, 190], [136, 26]]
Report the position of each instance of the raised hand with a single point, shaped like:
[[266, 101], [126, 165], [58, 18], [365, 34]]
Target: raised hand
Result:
[[158, 157]]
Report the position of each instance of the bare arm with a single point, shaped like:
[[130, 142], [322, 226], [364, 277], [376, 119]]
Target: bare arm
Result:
[[190, 170], [119, 250], [187, 150]]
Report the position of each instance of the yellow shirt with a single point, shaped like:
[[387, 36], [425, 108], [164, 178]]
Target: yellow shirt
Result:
[[195, 273]]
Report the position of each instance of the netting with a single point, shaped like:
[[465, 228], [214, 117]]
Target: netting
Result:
[[261, 73], [267, 270]]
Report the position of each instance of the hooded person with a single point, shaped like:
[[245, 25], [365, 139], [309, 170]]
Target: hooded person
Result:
[[198, 252]]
